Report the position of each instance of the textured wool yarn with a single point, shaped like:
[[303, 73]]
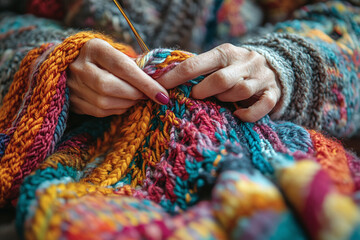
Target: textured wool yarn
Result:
[[186, 170]]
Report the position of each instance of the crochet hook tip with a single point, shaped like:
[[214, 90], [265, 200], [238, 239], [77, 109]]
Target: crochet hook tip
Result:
[[140, 41]]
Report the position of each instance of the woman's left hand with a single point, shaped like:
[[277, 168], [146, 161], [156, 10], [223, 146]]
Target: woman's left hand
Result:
[[234, 74]]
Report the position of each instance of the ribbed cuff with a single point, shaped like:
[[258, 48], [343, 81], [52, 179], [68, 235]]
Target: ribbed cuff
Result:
[[284, 75], [301, 74]]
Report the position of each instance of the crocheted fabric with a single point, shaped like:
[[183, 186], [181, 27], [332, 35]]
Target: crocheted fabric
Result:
[[187, 170]]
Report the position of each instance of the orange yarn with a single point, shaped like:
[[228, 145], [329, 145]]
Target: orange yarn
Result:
[[116, 163], [332, 157], [176, 56], [30, 123], [19, 86]]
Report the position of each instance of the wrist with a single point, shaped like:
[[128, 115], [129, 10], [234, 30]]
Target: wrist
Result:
[[283, 76]]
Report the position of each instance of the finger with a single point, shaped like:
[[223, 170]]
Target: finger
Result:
[[259, 109], [242, 90], [81, 106], [100, 101], [126, 69], [220, 81], [104, 83], [191, 68]]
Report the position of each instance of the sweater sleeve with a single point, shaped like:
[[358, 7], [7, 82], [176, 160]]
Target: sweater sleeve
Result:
[[316, 57]]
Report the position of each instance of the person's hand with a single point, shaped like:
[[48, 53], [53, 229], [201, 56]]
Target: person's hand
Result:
[[103, 81], [234, 74]]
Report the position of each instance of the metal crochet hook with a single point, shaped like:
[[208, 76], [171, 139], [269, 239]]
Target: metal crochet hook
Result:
[[141, 43]]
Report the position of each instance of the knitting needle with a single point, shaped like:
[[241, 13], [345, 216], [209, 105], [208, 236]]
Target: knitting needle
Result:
[[141, 43]]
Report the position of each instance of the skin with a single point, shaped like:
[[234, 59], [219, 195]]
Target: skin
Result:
[[103, 81], [235, 74]]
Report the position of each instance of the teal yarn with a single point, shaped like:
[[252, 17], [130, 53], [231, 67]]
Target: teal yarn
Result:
[[30, 186]]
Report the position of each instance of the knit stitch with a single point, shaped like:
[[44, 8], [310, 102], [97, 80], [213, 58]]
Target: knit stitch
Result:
[[188, 170], [315, 55]]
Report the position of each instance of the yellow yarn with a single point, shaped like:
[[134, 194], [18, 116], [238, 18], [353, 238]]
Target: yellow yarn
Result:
[[291, 185]]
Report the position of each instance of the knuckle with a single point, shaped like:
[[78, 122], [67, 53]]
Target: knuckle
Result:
[[101, 86], [126, 67], [88, 46], [270, 74], [92, 48], [226, 52], [222, 80], [188, 67], [245, 90], [80, 69], [76, 66], [126, 64], [256, 58], [271, 100], [261, 60], [166, 84], [92, 43], [102, 103], [253, 54], [227, 48]]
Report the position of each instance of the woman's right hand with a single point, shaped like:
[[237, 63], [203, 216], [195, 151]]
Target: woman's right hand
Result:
[[104, 81]]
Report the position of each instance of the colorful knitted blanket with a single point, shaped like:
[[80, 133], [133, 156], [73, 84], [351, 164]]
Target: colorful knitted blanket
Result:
[[187, 170]]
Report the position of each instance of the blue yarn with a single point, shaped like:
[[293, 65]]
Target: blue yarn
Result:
[[233, 136], [355, 235], [254, 144], [159, 56], [288, 226], [31, 184], [126, 180], [180, 190], [192, 168], [294, 137], [95, 127], [168, 206], [61, 124], [221, 138], [16, 22], [4, 139]]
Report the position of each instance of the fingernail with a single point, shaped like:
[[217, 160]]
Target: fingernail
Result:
[[162, 98]]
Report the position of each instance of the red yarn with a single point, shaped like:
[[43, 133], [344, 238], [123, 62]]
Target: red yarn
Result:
[[319, 188], [332, 156], [52, 9]]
